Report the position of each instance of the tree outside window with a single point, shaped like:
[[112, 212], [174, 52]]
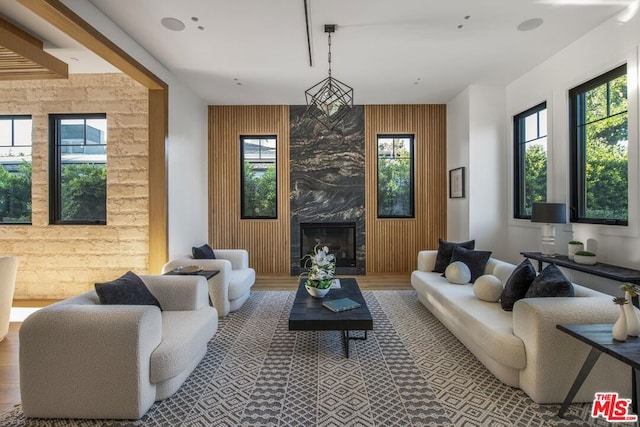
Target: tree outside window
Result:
[[78, 169], [530, 165], [15, 169], [258, 180], [599, 150], [395, 176]]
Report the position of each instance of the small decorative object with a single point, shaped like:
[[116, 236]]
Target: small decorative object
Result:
[[585, 257], [188, 269], [619, 330], [321, 265], [574, 246], [633, 323]]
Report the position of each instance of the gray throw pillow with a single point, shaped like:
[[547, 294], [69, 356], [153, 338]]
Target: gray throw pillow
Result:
[[517, 284], [475, 260], [128, 289], [203, 252], [550, 283], [445, 250]]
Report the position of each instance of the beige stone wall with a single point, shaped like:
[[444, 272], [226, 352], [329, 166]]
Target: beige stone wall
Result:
[[57, 261]]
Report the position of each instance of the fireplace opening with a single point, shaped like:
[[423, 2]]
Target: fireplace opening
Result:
[[339, 237]]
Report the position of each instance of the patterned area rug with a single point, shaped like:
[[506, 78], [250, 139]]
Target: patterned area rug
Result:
[[409, 372]]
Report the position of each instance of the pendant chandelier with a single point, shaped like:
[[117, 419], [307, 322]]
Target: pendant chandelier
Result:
[[330, 100]]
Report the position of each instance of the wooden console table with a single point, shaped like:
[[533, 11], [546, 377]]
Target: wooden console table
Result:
[[613, 272]]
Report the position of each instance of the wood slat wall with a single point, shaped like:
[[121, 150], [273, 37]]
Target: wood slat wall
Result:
[[268, 241], [392, 244]]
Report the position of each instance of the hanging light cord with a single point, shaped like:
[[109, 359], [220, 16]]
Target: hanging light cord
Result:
[[329, 54]]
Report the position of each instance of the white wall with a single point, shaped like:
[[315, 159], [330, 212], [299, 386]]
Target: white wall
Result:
[[187, 146], [602, 49], [458, 156]]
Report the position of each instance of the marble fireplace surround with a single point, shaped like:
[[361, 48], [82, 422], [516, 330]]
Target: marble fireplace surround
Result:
[[327, 179]]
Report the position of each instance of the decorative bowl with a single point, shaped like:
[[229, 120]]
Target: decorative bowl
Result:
[[317, 293], [188, 269], [586, 260]]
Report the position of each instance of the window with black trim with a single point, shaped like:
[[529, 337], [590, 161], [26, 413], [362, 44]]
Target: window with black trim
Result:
[[15, 169], [530, 159], [258, 183], [395, 176], [599, 150], [78, 168]]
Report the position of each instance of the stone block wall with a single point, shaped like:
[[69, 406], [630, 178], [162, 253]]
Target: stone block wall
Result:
[[58, 261]]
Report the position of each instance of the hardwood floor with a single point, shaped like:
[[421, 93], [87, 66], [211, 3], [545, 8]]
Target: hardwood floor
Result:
[[9, 372]]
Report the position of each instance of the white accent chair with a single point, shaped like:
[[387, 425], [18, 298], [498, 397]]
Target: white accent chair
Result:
[[82, 359], [8, 272], [230, 288]]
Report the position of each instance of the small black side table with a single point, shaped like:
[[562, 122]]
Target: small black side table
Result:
[[207, 274], [599, 337]]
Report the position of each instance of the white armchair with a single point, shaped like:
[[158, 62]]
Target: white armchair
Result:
[[8, 272], [230, 288]]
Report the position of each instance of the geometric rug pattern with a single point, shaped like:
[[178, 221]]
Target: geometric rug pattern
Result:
[[409, 372]]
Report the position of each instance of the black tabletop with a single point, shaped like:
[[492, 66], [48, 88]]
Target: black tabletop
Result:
[[208, 274], [308, 314]]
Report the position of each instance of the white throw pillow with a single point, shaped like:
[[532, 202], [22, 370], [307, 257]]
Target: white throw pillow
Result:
[[457, 272], [488, 288]]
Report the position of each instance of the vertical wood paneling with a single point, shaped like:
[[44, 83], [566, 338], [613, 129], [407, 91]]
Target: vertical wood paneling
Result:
[[392, 244], [267, 241]]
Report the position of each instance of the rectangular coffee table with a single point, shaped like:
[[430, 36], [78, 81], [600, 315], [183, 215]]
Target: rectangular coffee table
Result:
[[308, 314]]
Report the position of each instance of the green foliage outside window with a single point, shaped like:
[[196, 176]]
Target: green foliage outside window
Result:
[[535, 179], [395, 181], [84, 192], [15, 194], [259, 192]]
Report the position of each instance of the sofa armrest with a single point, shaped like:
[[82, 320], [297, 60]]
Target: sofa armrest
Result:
[[553, 357], [88, 361], [427, 260], [239, 258], [178, 293]]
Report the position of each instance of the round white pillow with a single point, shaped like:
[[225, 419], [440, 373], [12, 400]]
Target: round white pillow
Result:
[[457, 272], [487, 288]]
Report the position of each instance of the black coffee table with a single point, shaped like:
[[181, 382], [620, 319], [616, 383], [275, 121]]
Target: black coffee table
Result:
[[308, 314]]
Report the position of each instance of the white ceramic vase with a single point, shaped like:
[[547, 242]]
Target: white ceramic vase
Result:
[[317, 293], [619, 330], [633, 323], [573, 248]]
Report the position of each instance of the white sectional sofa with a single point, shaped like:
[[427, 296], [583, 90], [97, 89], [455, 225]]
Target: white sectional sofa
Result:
[[82, 359], [523, 348]]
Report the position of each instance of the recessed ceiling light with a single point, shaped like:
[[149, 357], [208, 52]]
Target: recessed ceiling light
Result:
[[530, 24], [194, 18], [172, 24], [200, 27]]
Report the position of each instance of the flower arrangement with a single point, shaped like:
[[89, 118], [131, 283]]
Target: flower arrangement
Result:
[[321, 265], [620, 300], [633, 289]]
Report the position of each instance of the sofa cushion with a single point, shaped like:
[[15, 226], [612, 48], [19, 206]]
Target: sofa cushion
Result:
[[203, 252], [475, 260], [517, 284], [550, 283], [487, 288], [445, 250], [457, 273], [128, 289]]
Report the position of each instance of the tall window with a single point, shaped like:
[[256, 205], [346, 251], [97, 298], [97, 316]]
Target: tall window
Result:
[[15, 169], [258, 179], [395, 176], [599, 150], [530, 162], [78, 169]]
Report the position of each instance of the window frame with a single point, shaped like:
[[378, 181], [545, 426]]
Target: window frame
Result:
[[242, 177], [412, 207], [519, 157], [55, 168], [577, 152], [13, 118]]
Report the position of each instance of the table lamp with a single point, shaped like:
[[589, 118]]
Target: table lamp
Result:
[[549, 214]]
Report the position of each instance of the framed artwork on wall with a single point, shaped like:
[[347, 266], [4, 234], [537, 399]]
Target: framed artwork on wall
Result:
[[456, 183]]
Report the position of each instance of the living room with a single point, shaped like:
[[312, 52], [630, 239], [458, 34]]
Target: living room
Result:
[[473, 129]]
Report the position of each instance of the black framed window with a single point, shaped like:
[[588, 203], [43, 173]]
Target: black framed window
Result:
[[530, 160], [395, 176], [599, 150], [15, 169], [78, 168], [258, 183]]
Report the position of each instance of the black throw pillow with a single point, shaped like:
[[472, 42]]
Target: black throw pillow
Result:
[[203, 252], [550, 283], [517, 284], [445, 250], [475, 260], [128, 289]]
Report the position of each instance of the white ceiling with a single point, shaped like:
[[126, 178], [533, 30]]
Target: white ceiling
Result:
[[389, 51]]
